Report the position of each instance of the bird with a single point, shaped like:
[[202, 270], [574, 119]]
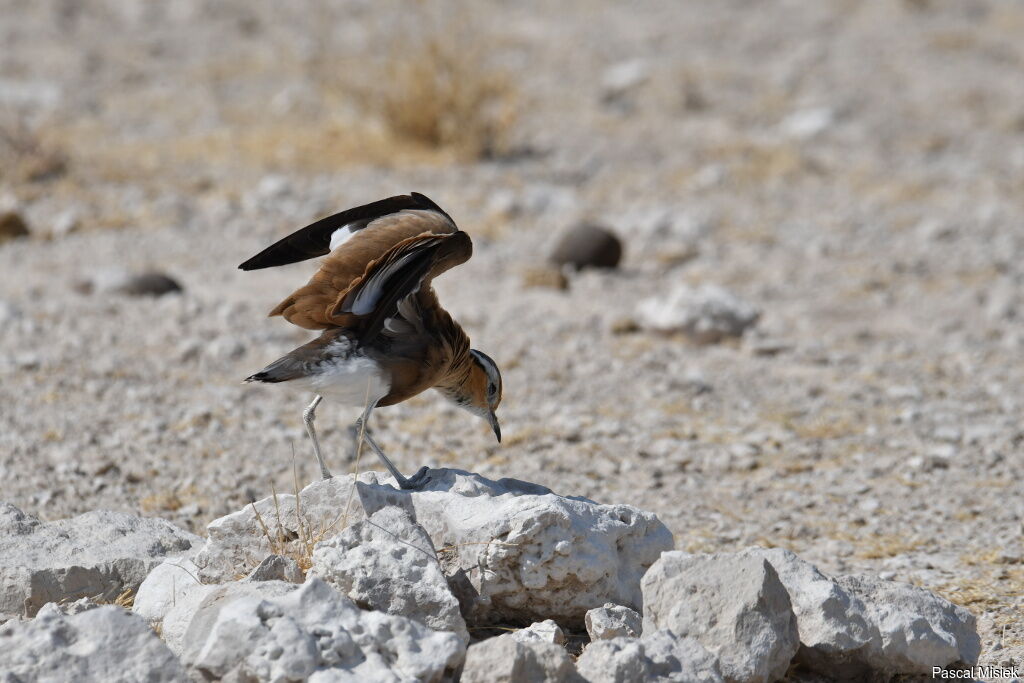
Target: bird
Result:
[[384, 335]]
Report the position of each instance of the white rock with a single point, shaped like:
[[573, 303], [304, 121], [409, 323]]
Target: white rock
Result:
[[835, 636], [679, 659], [8, 312], [388, 563], [178, 617], [103, 644], [706, 314], [623, 77], [98, 555], [35, 93], [617, 660], [917, 629], [659, 657], [312, 632], [546, 631], [65, 223], [277, 568], [530, 554], [735, 606], [236, 543], [67, 609], [808, 123], [613, 621], [163, 587], [513, 552], [204, 600], [274, 186], [170, 596], [504, 659]]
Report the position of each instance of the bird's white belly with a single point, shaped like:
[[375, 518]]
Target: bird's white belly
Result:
[[355, 381]]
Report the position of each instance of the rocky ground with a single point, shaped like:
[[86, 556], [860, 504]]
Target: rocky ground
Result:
[[854, 171], [466, 578]]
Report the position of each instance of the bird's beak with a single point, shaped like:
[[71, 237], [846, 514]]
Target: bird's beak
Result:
[[493, 419]]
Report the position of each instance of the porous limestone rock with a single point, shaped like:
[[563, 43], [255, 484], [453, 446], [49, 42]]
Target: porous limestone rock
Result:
[[851, 627], [835, 636], [659, 657], [672, 658], [277, 568], [312, 632], [546, 631], [104, 643], [237, 543], [734, 605], [197, 606], [505, 659], [163, 587], [172, 594], [513, 552], [98, 555], [388, 563], [917, 630], [613, 621], [615, 660], [707, 314]]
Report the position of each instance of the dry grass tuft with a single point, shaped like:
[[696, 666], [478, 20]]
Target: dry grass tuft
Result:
[[171, 500], [26, 155], [297, 545], [301, 549], [125, 599], [436, 84], [988, 591]]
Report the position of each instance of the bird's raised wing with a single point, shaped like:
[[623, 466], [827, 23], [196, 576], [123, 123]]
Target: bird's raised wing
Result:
[[326, 234], [372, 249]]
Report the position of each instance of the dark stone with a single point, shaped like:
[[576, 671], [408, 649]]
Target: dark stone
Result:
[[588, 246], [12, 226], [149, 284]]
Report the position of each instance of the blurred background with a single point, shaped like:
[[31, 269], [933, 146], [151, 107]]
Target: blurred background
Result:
[[812, 338]]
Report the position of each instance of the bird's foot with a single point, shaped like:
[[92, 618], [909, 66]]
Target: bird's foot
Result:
[[416, 481]]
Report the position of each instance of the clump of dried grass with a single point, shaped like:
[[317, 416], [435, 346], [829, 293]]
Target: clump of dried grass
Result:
[[25, 154], [285, 543], [437, 85], [298, 544]]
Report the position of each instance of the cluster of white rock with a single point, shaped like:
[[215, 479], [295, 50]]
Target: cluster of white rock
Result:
[[355, 580]]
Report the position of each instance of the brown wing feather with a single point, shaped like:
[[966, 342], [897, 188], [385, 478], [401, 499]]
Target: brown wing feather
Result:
[[311, 306]]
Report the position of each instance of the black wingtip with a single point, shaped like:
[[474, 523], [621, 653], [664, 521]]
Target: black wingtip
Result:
[[314, 239], [430, 204], [262, 377]]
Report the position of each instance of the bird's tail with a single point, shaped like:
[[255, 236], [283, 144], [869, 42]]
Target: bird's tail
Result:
[[281, 370]]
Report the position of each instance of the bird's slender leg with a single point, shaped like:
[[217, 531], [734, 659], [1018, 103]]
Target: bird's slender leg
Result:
[[415, 481], [308, 416]]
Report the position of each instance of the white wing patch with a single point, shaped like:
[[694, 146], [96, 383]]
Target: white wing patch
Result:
[[371, 291], [397, 326], [341, 235]]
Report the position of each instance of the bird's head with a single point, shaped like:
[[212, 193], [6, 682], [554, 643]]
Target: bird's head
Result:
[[480, 394]]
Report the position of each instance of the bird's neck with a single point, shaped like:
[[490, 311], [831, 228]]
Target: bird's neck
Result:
[[458, 364]]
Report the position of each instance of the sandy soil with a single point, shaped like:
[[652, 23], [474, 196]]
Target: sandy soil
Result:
[[856, 170]]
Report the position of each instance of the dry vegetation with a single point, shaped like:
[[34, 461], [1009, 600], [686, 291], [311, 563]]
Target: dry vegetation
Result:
[[441, 95], [435, 83], [25, 154]]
